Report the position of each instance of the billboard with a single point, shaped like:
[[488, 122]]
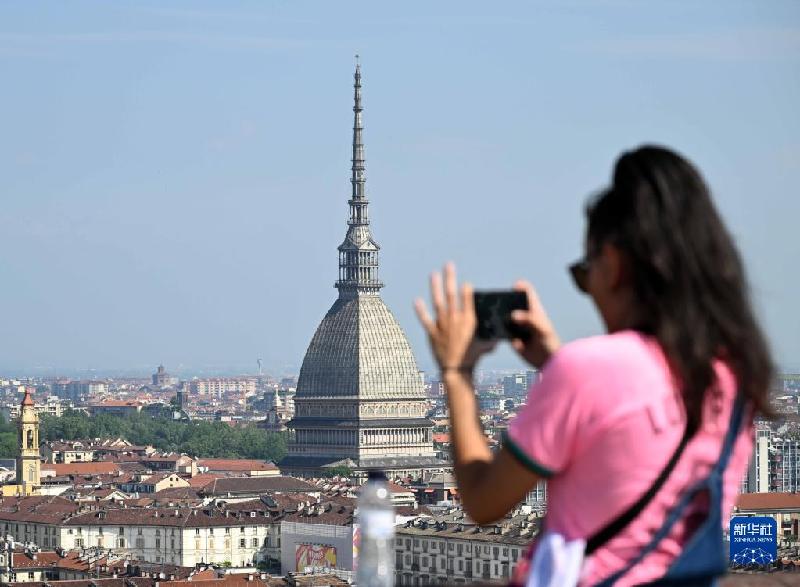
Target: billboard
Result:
[[754, 541], [314, 556]]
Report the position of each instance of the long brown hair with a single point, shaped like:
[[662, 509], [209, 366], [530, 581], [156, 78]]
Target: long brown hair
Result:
[[688, 276]]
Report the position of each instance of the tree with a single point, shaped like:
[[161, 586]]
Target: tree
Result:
[[338, 471], [199, 439]]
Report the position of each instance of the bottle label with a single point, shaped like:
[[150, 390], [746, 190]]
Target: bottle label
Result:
[[377, 525]]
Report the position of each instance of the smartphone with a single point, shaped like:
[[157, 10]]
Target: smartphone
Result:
[[493, 311]]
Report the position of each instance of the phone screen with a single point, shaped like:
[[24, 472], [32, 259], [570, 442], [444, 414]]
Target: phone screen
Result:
[[493, 311]]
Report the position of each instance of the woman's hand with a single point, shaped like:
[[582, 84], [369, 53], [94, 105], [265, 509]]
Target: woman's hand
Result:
[[452, 333], [542, 340]]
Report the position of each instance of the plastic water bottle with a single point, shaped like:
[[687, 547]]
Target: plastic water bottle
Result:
[[375, 564]]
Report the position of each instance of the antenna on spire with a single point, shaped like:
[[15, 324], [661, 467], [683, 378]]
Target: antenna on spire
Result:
[[358, 60]]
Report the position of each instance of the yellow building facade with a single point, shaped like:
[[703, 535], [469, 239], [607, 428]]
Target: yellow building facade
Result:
[[29, 459]]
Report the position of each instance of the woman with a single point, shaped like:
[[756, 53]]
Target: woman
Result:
[[612, 412]]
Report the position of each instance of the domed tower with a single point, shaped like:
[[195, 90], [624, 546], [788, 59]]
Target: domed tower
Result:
[[360, 401]]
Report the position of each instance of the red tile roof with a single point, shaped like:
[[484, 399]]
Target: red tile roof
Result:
[[203, 479], [768, 501], [93, 468], [237, 465], [256, 485]]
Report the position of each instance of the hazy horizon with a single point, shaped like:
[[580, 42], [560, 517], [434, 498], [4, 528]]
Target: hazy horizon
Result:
[[176, 177]]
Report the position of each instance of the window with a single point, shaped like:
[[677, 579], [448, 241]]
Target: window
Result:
[[241, 529], [158, 542], [505, 552], [140, 543], [121, 543], [30, 574], [242, 542], [100, 530], [79, 543], [227, 530], [158, 531], [139, 531], [121, 530], [172, 543], [197, 530]]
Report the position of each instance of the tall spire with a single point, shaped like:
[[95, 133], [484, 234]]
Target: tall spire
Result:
[[358, 202], [358, 254]]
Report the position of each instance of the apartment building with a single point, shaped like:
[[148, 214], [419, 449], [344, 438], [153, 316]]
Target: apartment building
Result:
[[66, 452], [775, 464], [242, 534], [438, 552], [51, 406], [219, 386]]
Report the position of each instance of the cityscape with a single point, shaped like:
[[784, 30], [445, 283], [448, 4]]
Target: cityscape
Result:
[[127, 477], [258, 470], [279, 477]]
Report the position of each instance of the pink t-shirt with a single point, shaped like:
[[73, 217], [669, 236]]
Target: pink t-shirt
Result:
[[600, 426]]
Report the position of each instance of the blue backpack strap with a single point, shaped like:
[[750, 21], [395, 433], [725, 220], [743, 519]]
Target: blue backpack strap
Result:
[[712, 483]]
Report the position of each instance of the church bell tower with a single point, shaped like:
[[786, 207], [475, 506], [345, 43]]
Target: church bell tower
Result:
[[29, 460]]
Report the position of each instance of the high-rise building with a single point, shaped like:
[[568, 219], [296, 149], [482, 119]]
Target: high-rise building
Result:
[[360, 401], [515, 385], [757, 479]]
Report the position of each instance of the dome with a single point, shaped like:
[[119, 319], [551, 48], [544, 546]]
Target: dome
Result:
[[359, 350]]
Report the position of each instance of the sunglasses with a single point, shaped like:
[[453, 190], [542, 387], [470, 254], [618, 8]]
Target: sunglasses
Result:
[[580, 274]]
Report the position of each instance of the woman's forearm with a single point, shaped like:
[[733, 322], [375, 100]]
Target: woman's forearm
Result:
[[471, 453]]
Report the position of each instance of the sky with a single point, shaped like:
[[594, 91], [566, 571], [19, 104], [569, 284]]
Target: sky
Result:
[[174, 175]]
